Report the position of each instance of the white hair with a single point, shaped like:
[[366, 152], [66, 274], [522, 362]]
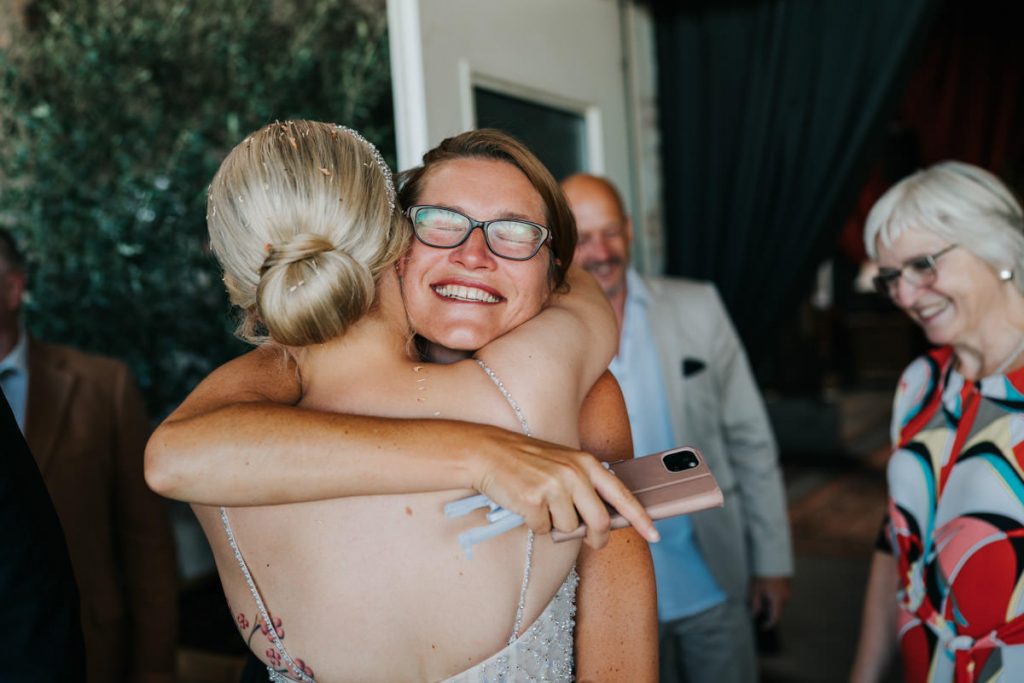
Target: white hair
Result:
[[960, 203]]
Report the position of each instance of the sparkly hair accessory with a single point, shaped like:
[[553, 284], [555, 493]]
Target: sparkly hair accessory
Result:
[[384, 170]]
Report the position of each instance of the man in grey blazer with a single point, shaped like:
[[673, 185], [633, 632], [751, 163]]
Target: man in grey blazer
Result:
[[686, 380]]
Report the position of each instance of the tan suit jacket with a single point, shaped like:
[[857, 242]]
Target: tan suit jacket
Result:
[[86, 425], [715, 405]]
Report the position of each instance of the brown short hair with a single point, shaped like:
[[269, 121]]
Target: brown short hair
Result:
[[490, 143]]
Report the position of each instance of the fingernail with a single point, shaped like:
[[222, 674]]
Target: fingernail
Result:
[[654, 536]]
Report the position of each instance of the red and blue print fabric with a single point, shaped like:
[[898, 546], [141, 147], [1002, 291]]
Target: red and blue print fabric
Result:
[[956, 523]]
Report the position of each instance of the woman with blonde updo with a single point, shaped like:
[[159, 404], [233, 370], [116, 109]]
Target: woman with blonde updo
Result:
[[303, 219], [324, 214]]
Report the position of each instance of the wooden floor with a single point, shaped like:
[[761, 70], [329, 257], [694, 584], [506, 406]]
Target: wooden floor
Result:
[[835, 506]]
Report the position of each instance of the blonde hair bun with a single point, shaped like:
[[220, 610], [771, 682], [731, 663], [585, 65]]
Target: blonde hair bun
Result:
[[309, 291], [302, 218]]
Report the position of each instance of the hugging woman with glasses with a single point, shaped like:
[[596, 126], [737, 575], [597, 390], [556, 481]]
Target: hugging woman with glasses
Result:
[[946, 579], [373, 587]]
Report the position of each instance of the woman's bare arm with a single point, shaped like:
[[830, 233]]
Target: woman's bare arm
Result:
[[239, 440], [878, 624], [575, 336], [617, 613]]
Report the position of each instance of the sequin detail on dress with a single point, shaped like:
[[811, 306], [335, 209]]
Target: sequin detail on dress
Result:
[[543, 653]]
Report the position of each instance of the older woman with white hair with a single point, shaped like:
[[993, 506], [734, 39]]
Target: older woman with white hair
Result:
[[946, 579]]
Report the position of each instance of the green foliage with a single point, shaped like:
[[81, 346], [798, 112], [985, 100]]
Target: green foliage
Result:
[[114, 116]]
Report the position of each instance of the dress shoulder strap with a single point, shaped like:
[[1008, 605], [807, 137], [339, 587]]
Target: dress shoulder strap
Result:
[[518, 624], [262, 608], [508, 397]]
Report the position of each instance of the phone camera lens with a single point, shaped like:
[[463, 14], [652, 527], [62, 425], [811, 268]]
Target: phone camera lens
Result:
[[679, 461]]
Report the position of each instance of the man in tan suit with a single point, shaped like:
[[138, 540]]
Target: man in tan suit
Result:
[[84, 421]]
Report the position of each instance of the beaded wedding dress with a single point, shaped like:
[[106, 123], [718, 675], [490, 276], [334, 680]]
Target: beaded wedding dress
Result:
[[544, 652]]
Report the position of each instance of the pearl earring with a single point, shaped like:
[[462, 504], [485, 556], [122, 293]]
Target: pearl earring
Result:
[[1005, 274]]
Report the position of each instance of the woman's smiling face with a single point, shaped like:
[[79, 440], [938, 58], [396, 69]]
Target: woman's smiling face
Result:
[[462, 298], [964, 300]]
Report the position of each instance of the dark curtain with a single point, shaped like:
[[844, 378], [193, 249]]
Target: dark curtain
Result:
[[965, 100], [768, 112]]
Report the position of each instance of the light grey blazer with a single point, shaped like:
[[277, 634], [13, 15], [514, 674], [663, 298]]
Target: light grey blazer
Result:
[[715, 405]]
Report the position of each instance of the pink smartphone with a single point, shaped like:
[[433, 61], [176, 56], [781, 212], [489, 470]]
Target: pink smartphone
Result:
[[669, 483]]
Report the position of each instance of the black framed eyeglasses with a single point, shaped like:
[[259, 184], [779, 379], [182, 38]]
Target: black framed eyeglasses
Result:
[[444, 228], [918, 271]]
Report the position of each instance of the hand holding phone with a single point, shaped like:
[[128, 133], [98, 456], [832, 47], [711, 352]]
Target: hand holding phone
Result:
[[669, 483]]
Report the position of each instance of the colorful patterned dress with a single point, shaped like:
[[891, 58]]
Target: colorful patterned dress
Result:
[[956, 523]]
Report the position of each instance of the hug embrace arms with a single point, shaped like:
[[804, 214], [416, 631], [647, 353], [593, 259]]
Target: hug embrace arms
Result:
[[465, 610]]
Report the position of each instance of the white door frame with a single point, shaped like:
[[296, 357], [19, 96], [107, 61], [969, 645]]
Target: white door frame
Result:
[[621, 123]]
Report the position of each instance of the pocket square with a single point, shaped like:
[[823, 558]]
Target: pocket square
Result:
[[691, 366]]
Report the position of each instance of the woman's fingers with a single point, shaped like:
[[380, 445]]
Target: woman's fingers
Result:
[[518, 490], [615, 493], [553, 486], [563, 507], [593, 513], [567, 494]]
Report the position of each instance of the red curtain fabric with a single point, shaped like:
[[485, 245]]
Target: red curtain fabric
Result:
[[966, 99]]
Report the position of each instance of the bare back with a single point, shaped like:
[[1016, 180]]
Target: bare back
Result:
[[376, 588]]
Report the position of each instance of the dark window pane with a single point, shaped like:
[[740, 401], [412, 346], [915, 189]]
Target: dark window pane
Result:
[[556, 136]]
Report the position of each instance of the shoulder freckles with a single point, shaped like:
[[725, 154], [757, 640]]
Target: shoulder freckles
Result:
[[604, 425]]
